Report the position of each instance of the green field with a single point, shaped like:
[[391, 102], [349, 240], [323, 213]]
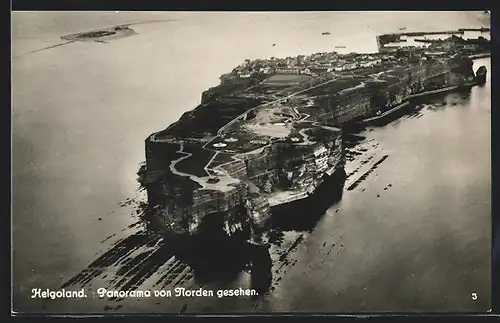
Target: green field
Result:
[[335, 86], [282, 79]]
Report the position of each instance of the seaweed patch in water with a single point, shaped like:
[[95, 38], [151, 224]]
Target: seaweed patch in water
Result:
[[365, 175]]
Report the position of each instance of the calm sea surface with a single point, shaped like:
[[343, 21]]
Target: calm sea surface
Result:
[[82, 111]]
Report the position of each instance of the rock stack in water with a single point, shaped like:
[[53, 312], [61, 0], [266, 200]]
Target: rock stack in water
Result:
[[481, 75]]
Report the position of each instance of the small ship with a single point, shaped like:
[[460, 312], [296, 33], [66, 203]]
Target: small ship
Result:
[[325, 33]]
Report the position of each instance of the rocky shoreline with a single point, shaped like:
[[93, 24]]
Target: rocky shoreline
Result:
[[253, 145]]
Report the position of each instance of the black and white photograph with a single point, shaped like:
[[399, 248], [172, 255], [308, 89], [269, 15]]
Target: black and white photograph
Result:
[[251, 162]]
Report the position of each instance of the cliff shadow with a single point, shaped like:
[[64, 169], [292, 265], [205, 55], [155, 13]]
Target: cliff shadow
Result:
[[213, 255], [304, 214], [353, 128], [261, 269], [351, 140], [458, 94]]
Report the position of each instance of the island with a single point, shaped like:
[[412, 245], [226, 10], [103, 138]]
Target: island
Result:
[[271, 133], [102, 35]]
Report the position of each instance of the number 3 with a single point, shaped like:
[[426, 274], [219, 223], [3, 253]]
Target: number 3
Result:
[[474, 296]]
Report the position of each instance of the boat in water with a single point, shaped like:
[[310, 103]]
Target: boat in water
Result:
[[325, 33]]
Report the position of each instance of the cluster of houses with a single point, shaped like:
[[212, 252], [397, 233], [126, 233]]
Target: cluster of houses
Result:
[[314, 64]]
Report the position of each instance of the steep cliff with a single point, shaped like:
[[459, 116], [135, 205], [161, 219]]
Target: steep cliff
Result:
[[239, 187], [230, 161]]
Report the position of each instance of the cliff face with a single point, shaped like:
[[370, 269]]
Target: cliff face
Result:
[[228, 208], [392, 88], [229, 162], [239, 190], [229, 87]]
